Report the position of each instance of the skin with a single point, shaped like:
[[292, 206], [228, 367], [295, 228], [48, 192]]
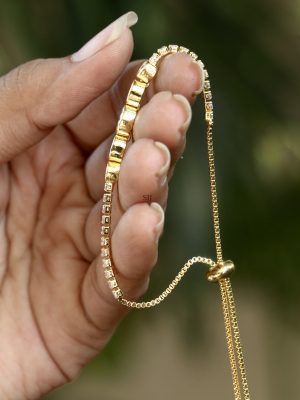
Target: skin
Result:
[[57, 123]]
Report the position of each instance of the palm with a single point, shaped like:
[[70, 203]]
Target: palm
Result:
[[47, 258]]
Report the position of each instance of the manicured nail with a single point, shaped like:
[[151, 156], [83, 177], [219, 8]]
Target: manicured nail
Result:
[[187, 110], [159, 226], [106, 36], [202, 78], [162, 173]]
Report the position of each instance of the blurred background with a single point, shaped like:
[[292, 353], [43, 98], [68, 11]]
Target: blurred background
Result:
[[251, 49]]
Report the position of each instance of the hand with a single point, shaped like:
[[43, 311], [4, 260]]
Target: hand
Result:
[[57, 119]]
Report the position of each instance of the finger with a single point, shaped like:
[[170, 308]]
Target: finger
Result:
[[147, 183], [37, 96], [134, 250], [178, 73], [164, 119]]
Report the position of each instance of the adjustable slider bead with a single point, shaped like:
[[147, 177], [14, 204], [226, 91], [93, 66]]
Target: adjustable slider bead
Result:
[[220, 271]]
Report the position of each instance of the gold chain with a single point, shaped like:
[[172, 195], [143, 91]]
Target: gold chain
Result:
[[172, 285], [218, 271]]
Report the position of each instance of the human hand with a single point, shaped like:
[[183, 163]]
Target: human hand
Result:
[[57, 120]]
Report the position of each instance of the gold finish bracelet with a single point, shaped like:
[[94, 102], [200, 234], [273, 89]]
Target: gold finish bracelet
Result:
[[218, 270]]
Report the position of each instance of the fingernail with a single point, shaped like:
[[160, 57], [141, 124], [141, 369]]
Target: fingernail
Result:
[[182, 100], [162, 173], [161, 215], [202, 78], [105, 37]]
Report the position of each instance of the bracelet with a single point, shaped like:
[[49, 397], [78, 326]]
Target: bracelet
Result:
[[218, 271]]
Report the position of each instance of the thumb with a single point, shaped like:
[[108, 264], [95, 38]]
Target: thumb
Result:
[[38, 95]]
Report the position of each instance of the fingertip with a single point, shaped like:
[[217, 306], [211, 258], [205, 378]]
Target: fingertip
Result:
[[105, 37], [142, 173], [180, 74], [185, 110], [164, 118], [160, 215], [134, 241], [199, 68]]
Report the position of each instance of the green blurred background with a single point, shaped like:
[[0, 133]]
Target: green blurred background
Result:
[[251, 49]]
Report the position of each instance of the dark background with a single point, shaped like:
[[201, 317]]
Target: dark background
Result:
[[251, 50]]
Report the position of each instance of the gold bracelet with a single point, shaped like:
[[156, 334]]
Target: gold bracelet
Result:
[[218, 271]]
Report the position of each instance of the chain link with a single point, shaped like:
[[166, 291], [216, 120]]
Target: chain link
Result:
[[213, 190], [235, 351], [230, 341], [171, 287], [237, 338]]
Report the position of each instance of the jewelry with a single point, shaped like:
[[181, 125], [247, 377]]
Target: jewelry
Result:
[[218, 270]]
